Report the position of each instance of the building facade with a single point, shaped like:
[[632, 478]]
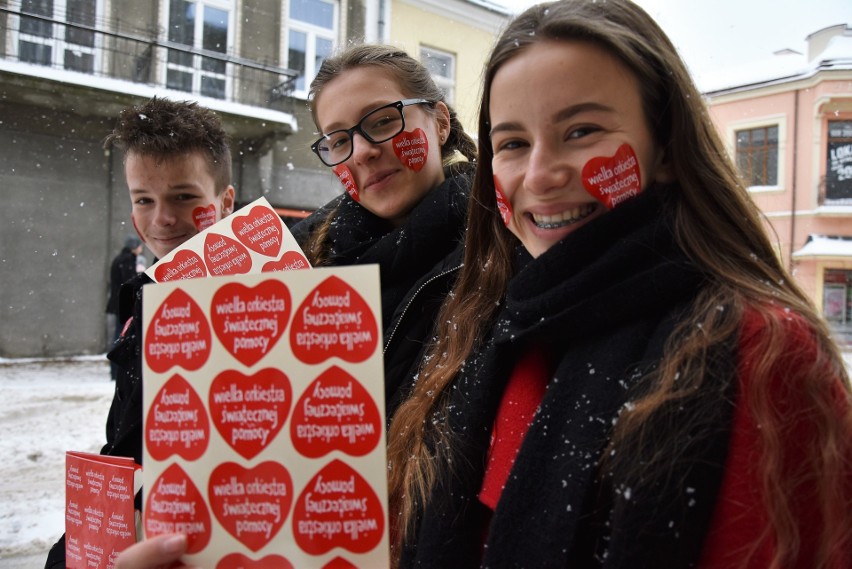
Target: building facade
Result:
[[67, 67], [791, 137]]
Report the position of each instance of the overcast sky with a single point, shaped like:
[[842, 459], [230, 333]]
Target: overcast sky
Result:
[[715, 35]]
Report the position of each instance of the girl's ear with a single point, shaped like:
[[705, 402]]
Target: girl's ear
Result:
[[442, 115]]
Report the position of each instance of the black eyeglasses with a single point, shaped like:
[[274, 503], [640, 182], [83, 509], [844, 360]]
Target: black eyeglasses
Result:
[[376, 126]]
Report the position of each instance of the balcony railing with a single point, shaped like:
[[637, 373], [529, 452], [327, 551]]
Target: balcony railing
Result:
[[142, 57]]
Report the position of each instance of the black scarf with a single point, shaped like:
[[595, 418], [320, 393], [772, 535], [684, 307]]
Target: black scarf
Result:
[[602, 302], [404, 254]]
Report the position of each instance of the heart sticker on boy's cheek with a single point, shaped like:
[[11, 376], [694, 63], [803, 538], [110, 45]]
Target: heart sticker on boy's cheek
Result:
[[411, 148], [174, 505], [240, 561], [344, 174], [176, 422], [319, 526], [502, 203], [613, 179], [204, 217]]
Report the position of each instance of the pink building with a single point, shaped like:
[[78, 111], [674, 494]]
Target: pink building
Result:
[[791, 137]]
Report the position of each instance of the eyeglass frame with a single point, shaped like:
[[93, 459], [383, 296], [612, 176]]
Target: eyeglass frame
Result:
[[399, 105]]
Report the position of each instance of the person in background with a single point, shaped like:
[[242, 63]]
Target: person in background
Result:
[[177, 164], [405, 164], [625, 375], [124, 266]]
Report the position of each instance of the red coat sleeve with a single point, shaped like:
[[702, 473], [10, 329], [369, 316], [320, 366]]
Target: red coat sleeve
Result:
[[740, 519]]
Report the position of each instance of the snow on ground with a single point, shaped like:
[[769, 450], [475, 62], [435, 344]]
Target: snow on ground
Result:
[[46, 408]]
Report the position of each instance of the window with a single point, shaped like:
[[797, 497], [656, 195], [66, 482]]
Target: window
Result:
[[837, 302], [199, 25], [442, 66], [838, 169], [757, 155], [312, 29], [43, 42]]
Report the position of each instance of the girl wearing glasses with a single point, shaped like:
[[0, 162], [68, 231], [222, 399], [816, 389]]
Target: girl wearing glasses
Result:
[[625, 375], [402, 158]]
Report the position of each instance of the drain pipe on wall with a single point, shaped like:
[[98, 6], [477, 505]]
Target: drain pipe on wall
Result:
[[795, 173]]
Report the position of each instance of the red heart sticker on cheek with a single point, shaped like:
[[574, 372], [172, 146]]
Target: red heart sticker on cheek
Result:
[[251, 503], [333, 320], [289, 261], [335, 412], [338, 508], [260, 231], [175, 505], [249, 411], [411, 148], [178, 335], [502, 203], [249, 321], [225, 256], [204, 217], [185, 264], [176, 422], [613, 179], [344, 174], [240, 561]]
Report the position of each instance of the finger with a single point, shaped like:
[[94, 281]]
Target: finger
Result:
[[154, 553]]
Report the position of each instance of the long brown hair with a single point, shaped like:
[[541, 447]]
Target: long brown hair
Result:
[[415, 81], [716, 224]]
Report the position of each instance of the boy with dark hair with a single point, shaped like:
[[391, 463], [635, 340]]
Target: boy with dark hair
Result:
[[177, 163]]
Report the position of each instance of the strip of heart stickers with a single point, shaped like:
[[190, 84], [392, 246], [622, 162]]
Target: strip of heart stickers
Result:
[[264, 418], [252, 240]]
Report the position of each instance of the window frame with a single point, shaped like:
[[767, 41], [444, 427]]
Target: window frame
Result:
[[779, 121], [312, 32], [196, 70], [446, 83], [57, 39], [844, 141]]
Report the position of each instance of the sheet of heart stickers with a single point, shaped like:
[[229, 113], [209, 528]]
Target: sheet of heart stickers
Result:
[[264, 418], [251, 240]]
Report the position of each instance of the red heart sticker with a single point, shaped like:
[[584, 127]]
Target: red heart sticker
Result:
[[251, 503], [185, 264], [411, 148], [334, 320], [289, 261], [339, 563], [240, 561], [344, 174], [204, 217], [177, 422], [249, 321], [178, 335], [502, 203], [260, 230], [613, 179], [249, 410], [175, 505], [225, 256], [338, 508], [335, 412]]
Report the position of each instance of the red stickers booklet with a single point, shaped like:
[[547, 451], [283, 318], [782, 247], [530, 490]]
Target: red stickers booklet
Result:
[[251, 240], [100, 520], [264, 419]]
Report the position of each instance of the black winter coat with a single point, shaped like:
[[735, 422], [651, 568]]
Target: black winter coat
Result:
[[122, 269], [602, 303]]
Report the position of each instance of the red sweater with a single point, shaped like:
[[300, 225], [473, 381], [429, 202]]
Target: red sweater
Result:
[[740, 516]]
